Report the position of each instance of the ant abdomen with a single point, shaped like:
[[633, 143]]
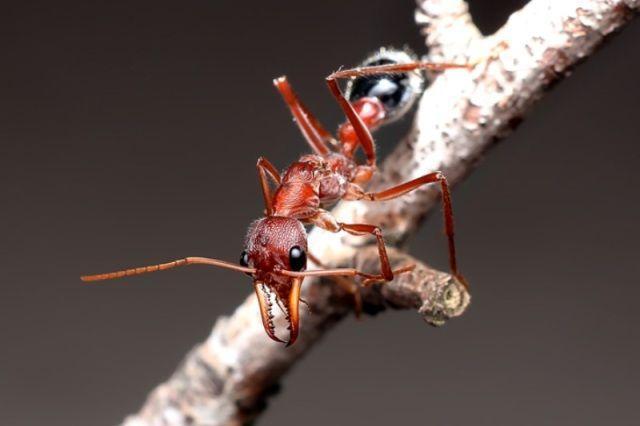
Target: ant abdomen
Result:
[[397, 92]]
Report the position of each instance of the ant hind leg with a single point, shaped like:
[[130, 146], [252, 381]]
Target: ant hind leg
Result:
[[356, 193]]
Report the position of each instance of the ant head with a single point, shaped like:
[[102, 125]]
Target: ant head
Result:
[[396, 92], [275, 243]]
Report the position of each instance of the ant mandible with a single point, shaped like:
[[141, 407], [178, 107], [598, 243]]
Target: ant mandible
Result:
[[275, 256]]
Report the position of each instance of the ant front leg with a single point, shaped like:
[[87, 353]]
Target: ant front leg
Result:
[[325, 220], [355, 192], [316, 135], [398, 68]]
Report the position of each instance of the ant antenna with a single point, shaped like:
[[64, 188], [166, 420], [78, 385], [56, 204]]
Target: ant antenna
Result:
[[168, 265]]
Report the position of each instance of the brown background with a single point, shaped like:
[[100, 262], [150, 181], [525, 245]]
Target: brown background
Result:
[[128, 135]]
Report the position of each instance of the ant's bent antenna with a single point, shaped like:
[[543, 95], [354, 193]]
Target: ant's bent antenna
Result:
[[168, 265]]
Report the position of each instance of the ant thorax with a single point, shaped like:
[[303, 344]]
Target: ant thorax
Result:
[[311, 182]]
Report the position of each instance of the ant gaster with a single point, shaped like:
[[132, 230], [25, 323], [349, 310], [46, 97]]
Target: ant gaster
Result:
[[276, 252]]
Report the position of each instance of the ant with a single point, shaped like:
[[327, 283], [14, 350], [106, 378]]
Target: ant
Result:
[[379, 91]]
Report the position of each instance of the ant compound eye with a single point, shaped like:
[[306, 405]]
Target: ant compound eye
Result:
[[297, 259], [244, 260]]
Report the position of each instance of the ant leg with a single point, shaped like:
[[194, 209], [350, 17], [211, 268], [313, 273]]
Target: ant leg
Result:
[[354, 192], [266, 170], [346, 284], [326, 221], [362, 131], [326, 136], [315, 134], [418, 65], [364, 229], [398, 68]]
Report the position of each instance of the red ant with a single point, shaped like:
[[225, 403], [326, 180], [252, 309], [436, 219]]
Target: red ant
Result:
[[275, 254]]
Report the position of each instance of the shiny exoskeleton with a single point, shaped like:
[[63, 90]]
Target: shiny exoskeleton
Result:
[[276, 252], [397, 91]]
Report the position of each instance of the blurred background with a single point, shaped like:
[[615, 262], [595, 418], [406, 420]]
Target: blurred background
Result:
[[129, 133]]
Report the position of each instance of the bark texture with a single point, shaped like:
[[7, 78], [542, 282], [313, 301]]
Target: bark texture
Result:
[[227, 379]]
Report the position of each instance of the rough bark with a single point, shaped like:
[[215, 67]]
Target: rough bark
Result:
[[226, 379]]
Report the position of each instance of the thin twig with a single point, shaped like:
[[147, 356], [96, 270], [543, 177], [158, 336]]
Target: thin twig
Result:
[[227, 379]]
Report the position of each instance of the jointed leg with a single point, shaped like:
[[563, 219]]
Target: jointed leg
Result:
[[361, 130], [324, 134], [266, 170], [364, 229], [356, 193], [315, 134], [325, 220], [397, 68]]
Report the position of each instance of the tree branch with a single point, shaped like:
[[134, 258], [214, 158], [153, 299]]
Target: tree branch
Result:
[[448, 29], [226, 380]]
